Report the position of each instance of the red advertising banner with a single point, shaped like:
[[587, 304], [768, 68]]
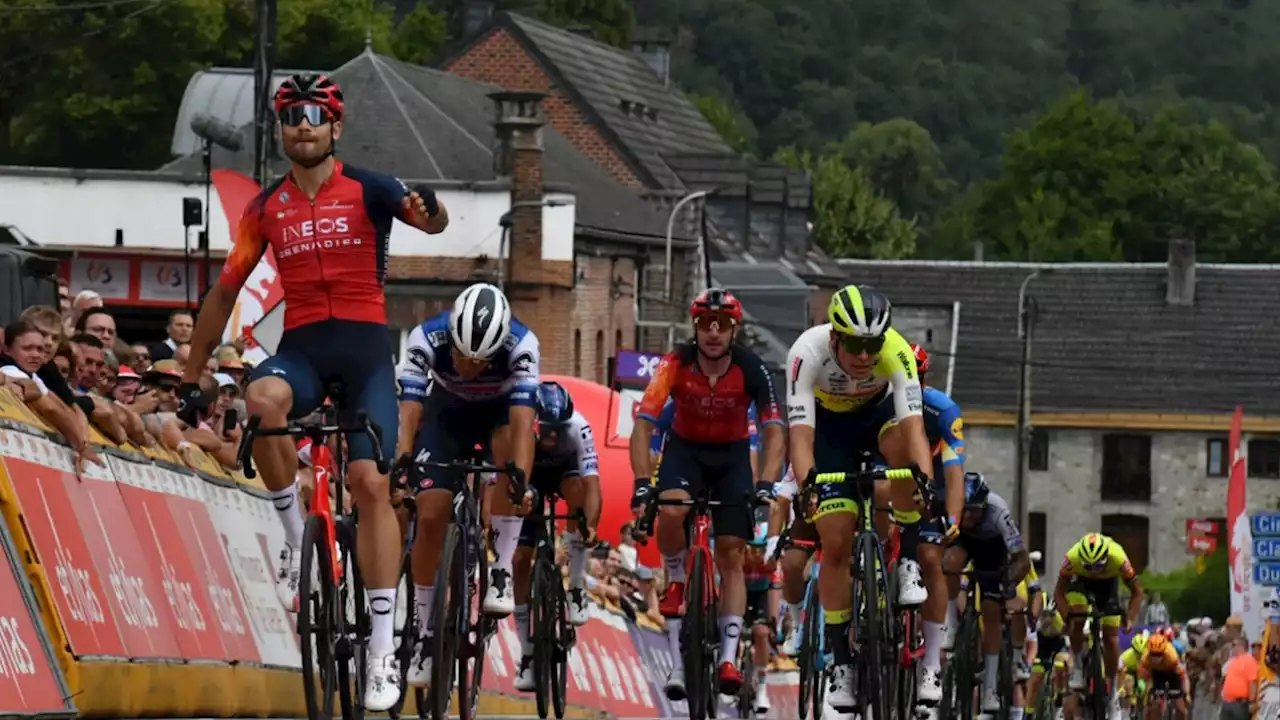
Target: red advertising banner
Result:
[[1202, 526], [78, 591], [1202, 544], [27, 683]]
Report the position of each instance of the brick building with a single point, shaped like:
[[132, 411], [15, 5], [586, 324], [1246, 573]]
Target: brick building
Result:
[[620, 108], [1135, 371], [424, 125]]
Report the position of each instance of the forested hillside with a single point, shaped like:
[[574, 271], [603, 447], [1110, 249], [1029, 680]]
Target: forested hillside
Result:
[[1071, 129]]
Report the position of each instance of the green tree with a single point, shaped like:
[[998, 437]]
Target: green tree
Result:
[[853, 218], [418, 37], [1198, 588], [728, 121], [611, 21], [902, 160]]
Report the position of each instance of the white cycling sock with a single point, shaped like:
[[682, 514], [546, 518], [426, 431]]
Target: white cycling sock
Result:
[[286, 504], [506, 536], [675, 567], [522, 630], [797, 617], [577, 560], [423, 598], [382, 613], [990, 672], [932, 646], [673, 642], [730, 630]]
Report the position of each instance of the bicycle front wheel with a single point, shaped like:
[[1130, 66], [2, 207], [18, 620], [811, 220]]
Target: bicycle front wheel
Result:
[[353, 628], [811, 654], [695, 645], [471, 576], [563, 642], [317, 621], [444, 645], [542, 628], [872, 632]]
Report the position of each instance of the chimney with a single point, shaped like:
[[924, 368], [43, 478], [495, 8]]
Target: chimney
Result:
[[517, 126], [654, 47], [1182, 273], [475, 14]]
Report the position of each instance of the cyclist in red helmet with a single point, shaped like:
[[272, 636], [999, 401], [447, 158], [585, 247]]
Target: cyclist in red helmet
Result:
[[713, 382], [329, 226]]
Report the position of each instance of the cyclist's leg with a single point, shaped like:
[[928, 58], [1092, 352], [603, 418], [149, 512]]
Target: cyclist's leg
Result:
[[895, 444], [508, 443], [442, 435], [989, 561], [1077, 603], [793, 563], [579, 493], [1107, 594], [362, 363], [734, 526], [544, 480], [679, 474], [758, 618], [1020, 638], [837, 523], [933, 614], [285, 385]]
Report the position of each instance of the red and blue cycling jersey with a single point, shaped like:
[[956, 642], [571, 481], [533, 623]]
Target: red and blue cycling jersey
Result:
[[331, 253], [706, 413], [663, 426]]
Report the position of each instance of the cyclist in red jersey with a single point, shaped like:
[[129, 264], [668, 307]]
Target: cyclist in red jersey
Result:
[[328, 225], [713, 382]]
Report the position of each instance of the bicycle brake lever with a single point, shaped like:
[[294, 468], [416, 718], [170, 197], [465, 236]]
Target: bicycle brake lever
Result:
[[245, 456]]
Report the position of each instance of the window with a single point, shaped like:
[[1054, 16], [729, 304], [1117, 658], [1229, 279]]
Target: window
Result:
[[1264, 458], [1126, 467], [1037, 530], [1215, 457], [599, 356], [1038, 457], [577, 353], [1131, 531]]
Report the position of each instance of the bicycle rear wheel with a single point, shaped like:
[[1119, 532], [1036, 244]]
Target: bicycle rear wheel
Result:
[[317, 610], [542, 628], [406, 632], [957, 672], [695, 645], [811, 654], [563, 643], [448, 627], [872, 629], [1004, 678], [908, 664], [353, 630]]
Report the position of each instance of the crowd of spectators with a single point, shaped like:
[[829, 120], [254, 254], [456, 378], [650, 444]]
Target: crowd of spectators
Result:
[[71, 367]]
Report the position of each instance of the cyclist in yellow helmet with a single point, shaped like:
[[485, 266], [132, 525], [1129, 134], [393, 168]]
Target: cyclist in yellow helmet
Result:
[[846, 379]]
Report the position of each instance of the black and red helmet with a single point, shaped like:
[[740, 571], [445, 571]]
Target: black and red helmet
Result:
[[922, 359], [311, 88], [716, 300]]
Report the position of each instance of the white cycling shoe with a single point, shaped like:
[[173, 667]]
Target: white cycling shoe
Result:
[[382, 686]]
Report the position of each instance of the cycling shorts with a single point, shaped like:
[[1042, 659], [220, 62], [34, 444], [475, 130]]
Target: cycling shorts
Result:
[[1167, 680], [723, 469], [1047, 652], [546, 480], [757, 608], [450, 430], [842, 442], [355, 355], [1106, 591]]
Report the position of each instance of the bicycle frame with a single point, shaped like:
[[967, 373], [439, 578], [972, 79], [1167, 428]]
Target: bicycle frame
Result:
[[321, 459]]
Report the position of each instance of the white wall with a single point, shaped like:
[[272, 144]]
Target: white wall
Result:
[[55, 209]]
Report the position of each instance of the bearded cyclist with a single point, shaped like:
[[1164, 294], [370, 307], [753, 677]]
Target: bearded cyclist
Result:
[[328, 225], [713, 382], [847, 379]]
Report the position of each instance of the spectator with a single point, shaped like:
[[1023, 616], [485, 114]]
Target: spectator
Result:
[[1239, 682], [90, 367], [1157, 613], [100, 324], [141, 358], [127, 385], [64, 360], [64, 298], [86, 300], [181, 323], [25, 356], [627, 547], [229, 363], [643, 595], [90, 361], [181, 353]]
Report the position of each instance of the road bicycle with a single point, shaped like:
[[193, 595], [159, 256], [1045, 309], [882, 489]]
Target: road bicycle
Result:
[[1167, 700], [961, 676], [811, 659], [1097, 695], [873, 610], [333, 617], [551, 634], [462, 629], [699, 636]]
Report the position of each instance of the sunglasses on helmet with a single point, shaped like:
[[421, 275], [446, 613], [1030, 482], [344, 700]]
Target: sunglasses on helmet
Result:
[[858, 345], [315, 115]]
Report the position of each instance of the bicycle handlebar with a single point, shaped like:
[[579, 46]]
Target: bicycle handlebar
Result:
[[700, 504], [318, 432], [923, 484]]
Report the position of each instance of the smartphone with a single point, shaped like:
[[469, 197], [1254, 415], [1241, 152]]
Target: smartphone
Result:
[[229, 421]]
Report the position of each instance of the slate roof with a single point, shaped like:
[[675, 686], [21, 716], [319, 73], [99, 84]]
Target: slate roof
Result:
[[423, 124], [774, 300], [645, 118], [1104, 338]]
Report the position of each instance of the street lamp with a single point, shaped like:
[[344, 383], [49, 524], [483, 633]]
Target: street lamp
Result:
[[211, 131], [671, 224], [1024, 394]]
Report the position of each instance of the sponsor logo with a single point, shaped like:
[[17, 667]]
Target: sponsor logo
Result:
[[418, 358], [339, 205], [908, 363], [523, 363], [315, 228], [957, 428], [913, 399]]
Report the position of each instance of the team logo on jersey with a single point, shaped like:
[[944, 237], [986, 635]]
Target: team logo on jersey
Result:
[[957, 428]]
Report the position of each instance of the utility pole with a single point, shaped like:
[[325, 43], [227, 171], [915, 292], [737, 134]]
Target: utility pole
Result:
[[1026, 316], [264, 66]]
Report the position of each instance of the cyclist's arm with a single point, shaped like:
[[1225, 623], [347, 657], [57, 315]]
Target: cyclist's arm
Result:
[[952, 442], [215, 312], [1019, 558], [392, 194], [414, 378], [802, 375], [651, 407], [753, 431], [526, 371], [589, 470], [760, 389], [908, 406], [1065, 575], [1130, 578], [781, 510]]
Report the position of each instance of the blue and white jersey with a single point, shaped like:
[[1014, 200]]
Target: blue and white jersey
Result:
[[575, 450], [428, 367]]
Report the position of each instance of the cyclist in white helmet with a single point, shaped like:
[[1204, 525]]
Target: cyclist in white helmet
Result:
[[470, 377]]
